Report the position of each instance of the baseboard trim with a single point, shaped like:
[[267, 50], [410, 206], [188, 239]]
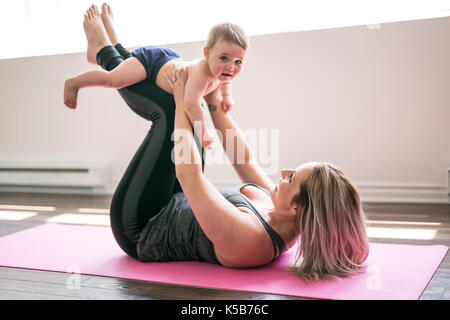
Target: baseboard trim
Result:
[[369, 192], [57, 190], [403, 193]]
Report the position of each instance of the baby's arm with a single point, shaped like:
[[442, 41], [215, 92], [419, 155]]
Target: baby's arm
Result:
[[129, 72], [215, 97], [195, 88], [227, 100]]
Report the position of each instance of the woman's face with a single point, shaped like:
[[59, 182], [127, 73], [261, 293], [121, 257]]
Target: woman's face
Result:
[[225, 60], [288, 187]]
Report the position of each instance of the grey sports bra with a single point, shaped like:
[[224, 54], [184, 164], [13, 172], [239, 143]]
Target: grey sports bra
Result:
[[278, 243]]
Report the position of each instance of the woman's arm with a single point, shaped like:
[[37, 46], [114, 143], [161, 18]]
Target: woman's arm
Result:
[[239, 154], [231, 232]]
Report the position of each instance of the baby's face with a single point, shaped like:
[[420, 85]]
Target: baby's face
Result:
[[225, 60]]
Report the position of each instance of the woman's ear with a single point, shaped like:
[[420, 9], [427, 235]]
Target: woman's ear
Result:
[[293, 211], [205, 52]]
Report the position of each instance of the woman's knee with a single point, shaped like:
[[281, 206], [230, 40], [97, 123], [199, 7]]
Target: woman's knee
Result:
[[109, 58]]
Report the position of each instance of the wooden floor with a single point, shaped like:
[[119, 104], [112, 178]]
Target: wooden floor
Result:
[[29, 284]]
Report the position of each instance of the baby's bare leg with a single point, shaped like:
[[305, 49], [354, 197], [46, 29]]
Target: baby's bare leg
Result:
[[92, 78], [96, 34], [129, 72]]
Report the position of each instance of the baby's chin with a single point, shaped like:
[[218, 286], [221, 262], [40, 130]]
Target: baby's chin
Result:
[[223, 78]]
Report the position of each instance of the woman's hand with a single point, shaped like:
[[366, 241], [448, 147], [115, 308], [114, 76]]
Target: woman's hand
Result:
[[176, 77]]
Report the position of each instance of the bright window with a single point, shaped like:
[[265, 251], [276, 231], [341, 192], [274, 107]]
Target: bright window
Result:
[[43, 27]]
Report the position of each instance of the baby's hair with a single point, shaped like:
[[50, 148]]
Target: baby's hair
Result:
[[229, 32]]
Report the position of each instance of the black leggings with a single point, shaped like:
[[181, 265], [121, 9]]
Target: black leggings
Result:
[[149, 181]]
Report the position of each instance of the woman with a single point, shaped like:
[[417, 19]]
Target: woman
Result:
[[248, 225]]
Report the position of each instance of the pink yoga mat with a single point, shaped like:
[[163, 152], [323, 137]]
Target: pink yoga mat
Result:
[[393, 271]]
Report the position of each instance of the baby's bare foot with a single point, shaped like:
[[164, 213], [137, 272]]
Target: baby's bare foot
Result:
[[70, 94], [95, 33], [108, 22]]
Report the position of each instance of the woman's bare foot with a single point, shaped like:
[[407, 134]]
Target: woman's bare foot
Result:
[[70, 94], [108, 22], [95, 33]]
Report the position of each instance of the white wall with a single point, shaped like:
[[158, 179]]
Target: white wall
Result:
[[376, 102]]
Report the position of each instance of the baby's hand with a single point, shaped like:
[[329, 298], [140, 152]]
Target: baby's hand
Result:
[[227, 103], [207, 141]]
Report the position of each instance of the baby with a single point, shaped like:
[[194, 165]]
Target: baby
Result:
[[224, 53]]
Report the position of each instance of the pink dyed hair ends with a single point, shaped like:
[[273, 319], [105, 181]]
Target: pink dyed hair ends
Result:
[[331, 226]]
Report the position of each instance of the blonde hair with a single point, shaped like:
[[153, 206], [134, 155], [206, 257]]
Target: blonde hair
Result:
[[331, 225], [229, 32]]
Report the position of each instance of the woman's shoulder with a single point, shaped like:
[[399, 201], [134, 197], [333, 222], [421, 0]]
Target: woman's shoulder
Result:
[[254, 191]]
